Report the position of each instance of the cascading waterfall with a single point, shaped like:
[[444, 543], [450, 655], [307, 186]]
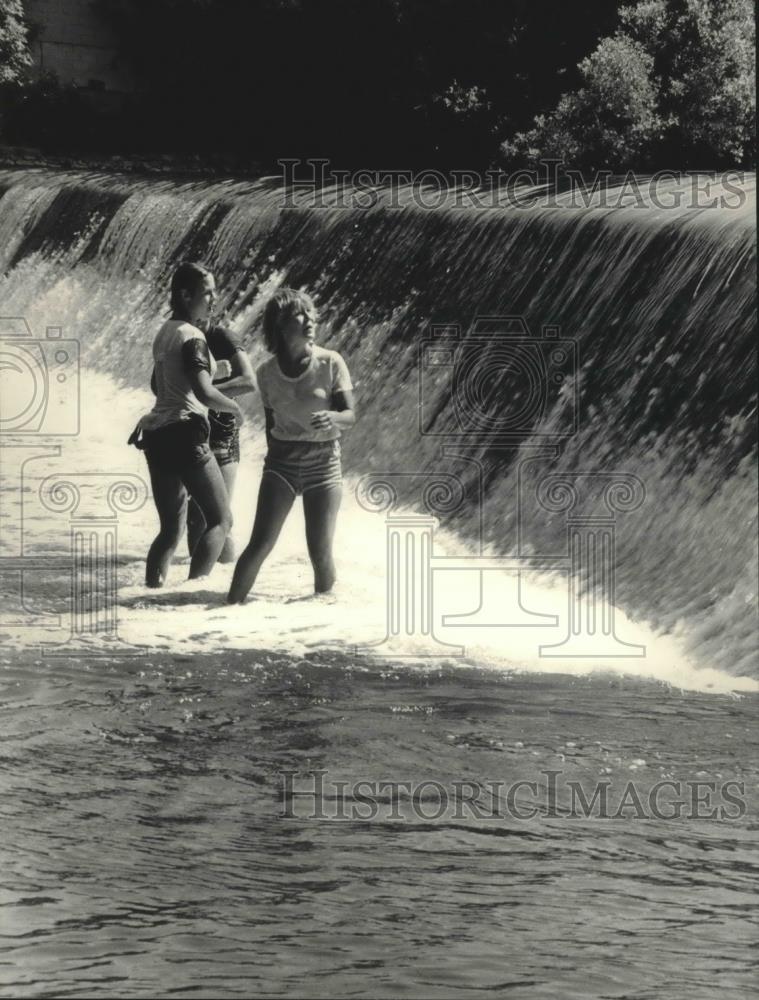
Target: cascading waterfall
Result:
[[658, 303]]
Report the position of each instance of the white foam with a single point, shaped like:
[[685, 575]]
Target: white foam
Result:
[[193, 618]]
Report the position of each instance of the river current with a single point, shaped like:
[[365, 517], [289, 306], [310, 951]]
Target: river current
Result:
[[181, 808]]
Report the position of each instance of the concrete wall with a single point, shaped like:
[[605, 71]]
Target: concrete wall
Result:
[[76, 45]]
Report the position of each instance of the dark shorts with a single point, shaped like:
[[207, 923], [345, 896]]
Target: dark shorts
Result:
[[178, 447], [305, 465], [225, 437]]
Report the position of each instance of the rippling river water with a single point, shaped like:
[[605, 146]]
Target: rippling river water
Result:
[[148, 848], [237, 801]]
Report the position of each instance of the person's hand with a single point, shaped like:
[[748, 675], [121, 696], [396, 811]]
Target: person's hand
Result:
[[238, 415], [223, 370], [322, 420]]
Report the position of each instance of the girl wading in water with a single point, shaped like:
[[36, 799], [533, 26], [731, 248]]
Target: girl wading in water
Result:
[[174, 435], [308, 400], [224, 440]]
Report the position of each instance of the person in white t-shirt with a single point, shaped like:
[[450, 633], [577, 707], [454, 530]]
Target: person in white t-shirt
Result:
[[308, 401], [174, 435]]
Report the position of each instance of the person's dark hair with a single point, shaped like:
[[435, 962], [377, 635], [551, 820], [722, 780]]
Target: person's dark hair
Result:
[[285, 302], [186, 278]]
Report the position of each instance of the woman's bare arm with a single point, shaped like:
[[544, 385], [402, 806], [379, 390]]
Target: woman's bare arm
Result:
[[342, 415], [210, 396], [242, 380]]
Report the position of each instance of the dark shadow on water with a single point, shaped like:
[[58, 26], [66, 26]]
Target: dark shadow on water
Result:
[[161, 598]]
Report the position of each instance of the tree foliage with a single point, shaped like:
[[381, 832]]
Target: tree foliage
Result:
[[704, 52], [415, 83], [14, 42], [673, 87]]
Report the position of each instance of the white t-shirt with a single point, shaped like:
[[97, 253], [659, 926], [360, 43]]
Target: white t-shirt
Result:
[[175, 399], [294, 400]]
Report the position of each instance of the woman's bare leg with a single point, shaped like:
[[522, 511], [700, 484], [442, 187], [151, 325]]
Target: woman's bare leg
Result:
[[229, 474], [320, 506], [196, 523], [275, 499], [205, 484], [170, 498]]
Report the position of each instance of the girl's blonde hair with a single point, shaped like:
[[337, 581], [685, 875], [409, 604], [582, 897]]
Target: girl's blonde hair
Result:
[[285, 302]]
